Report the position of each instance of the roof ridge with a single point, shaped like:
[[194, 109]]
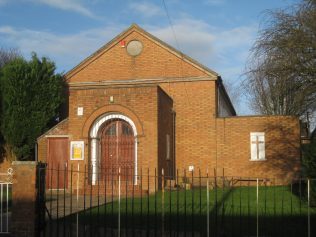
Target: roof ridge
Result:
[[153, 38]]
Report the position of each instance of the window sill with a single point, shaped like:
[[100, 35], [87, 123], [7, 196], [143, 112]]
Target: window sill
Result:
[[258, 160]]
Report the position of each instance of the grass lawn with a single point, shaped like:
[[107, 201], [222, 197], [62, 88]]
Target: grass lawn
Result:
[[231, 211]]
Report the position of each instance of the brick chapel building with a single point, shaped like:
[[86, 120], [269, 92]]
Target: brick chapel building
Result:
[[138, 103]]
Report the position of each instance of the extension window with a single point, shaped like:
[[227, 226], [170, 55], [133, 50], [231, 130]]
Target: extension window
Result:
[[257, 146]]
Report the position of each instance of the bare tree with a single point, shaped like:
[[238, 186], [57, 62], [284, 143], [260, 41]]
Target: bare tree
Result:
[[7, 55], [281, 72]]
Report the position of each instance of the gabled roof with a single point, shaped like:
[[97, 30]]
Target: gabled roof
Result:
[[132, 28]]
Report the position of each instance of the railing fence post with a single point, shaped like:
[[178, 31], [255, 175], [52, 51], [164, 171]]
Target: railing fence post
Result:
[[257, 203], [207, 206], [308, 209], [64, 196], [1, 209], [119, 203], [57, 209], [215, 181], [78, 201], [192, 201], [162, 203], [7, 213]]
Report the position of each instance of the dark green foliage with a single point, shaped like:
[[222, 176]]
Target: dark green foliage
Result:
[[6, 55], [31, 94]]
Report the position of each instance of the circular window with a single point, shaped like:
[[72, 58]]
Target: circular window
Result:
[[134, 47]]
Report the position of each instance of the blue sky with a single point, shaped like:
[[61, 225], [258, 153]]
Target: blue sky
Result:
[[217, 33]]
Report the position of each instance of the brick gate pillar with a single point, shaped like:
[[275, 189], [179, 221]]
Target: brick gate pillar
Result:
[[23, 222]]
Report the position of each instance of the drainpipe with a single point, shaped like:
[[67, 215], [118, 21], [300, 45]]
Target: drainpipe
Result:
[[36, 155], [174, 143]]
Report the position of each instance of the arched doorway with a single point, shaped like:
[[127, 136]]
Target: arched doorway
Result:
[[117, 150], [113, 145]]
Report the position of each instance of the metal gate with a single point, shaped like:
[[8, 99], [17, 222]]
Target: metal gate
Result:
[[5, 200]]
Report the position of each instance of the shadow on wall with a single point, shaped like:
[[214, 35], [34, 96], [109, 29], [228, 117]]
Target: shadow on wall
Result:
[[20, 225], [282, 146]]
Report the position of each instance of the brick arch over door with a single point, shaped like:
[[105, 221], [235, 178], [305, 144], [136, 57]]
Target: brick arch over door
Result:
[[96, 132], [111, 109]]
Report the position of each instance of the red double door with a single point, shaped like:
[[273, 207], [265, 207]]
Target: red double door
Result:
[[117, 150]]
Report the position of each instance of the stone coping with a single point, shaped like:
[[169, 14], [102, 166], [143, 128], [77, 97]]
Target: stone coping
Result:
[[24, 162]]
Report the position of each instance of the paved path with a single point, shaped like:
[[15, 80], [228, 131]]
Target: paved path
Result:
[[67, 204]]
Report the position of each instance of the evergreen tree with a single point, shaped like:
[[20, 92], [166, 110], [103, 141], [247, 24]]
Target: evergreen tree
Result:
[[6, 55], [31, 96]]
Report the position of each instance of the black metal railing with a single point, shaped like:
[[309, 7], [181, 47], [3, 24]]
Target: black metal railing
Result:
[[190, 204]]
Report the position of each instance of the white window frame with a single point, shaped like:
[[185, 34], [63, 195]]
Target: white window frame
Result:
[[167, 147], [257, 146]]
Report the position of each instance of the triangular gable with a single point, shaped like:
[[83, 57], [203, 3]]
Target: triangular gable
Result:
[[158, 60]]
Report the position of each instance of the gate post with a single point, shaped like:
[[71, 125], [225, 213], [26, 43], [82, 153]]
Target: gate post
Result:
[[24, 195]]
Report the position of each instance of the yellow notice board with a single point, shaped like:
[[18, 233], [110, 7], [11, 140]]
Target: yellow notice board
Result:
[[77, 150]]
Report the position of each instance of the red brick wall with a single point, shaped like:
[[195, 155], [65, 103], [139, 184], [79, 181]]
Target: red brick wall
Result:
[[282, 141], [137, 103], [194, 104], [114, 63], [23, 199]]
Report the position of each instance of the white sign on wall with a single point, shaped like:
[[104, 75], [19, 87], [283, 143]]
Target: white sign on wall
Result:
[[77, 150], [80, 111]]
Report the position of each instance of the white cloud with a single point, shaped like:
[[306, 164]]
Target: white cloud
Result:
[[68, 5], [3, 2], [7, 30], [222, 50], [146, 9], [236, 37], [65, 50], [216, 48], [194, 37], [215, 2]]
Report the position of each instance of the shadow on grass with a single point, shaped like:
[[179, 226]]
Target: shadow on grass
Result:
[[232, 212], [232, 225]]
